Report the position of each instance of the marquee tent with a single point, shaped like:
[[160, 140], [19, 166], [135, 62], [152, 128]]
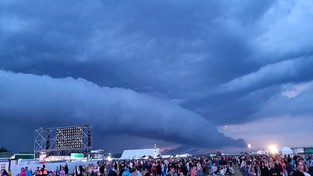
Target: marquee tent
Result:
[[261, 152], [140, 153], [285, 151]]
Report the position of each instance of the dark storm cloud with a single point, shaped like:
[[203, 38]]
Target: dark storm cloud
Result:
[[278, 73], [219, 59], [160, 50], [292, 99], [44, 101]]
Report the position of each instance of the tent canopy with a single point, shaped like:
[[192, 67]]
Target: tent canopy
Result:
[[139, 153], [261, 152], [286, 151]]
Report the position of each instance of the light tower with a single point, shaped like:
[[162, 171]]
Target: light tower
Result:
[[249, 148], [63, 140], [154, 152]]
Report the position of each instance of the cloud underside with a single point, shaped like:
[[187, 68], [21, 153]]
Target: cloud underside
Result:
[[44, 101]]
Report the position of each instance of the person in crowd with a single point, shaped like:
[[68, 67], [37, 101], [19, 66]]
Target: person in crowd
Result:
[[222, 171], [172, 172], [81, 170], [193, 170], [136, 172], [102, 169], [57, 171], [264, 169], [199, 168], [272, 171], [153, 170], [230, 170], [300, 171], [208, 165], [66, 170], [146, 172], [28, 172], [112, 172], [4, 172], [158, 169], [289, 167], [214, 169], [163, 168], [180, 172], [254, 169], [244, 168], [278, 168], [44, 171], [22, 172], [89, 169], [38, 172], [310, 165], [283, 166], [62, 171], [75, 171]]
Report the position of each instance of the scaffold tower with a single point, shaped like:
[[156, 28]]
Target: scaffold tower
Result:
[[63, 140]]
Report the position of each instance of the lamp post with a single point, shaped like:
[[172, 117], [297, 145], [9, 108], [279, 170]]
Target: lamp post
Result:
[[109, 157], [273, 149]]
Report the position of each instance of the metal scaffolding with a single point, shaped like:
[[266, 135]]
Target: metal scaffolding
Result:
[[63, 140]]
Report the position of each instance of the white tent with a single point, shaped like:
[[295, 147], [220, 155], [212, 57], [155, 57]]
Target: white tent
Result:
[[139, 153], [285, 151], [261, 152], [185, 155]]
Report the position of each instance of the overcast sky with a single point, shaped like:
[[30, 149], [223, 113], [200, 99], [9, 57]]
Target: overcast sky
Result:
[[189, 76]]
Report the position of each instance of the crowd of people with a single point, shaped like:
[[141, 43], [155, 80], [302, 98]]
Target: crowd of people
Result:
[[245, 165], [276, 165], [196, 166]]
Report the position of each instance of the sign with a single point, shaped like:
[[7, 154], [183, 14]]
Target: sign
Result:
[[3, 166], [24, 156], [75, 156]]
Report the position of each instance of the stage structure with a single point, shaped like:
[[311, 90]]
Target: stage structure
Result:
[[63, 140]]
